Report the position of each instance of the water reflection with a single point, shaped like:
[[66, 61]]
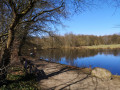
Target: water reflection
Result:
[[109, 59], [73, 54], [69, 54]]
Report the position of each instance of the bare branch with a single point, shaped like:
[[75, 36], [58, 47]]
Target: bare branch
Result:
[[12, 5], [29, 7], [6, 34], [42, 12]]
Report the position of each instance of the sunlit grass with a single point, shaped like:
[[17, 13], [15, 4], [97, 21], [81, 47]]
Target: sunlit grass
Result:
[[113, 46]]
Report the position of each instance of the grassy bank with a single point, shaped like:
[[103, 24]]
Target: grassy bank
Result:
[[18, 80], [113, 46]]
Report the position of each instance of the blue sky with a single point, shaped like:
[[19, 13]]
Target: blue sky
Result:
[[103, 20]]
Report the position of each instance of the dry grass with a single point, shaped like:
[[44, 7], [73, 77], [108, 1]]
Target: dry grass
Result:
[[113, 46]]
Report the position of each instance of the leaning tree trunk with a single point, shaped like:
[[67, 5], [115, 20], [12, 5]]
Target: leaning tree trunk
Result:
[[10, 54], [12, 48], [5, 59], [18, 43]]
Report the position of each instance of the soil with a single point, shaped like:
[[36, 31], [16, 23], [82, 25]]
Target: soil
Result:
[[63, 77]]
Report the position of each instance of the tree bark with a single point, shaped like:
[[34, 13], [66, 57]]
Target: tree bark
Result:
[[15, 51], [22, 42]]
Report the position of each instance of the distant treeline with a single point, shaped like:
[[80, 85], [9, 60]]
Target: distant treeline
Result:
[[71, 40]]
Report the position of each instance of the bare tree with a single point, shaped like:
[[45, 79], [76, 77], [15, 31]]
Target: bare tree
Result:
[[22, 17]]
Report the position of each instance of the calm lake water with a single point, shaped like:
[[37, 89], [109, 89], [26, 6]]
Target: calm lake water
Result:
[[108, 59]]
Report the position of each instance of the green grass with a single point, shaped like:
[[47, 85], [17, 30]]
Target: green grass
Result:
[[18, 80], [113, 46]]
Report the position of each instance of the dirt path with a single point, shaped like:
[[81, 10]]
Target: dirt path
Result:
[[61, 77]]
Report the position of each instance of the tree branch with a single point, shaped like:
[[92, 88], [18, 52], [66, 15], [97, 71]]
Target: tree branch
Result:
[[6, 34], [46, 12], [12, 5], [30, 6], [42, 12]]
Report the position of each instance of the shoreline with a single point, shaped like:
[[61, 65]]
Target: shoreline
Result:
[[112, 46], [75, 67], [62, 76]]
